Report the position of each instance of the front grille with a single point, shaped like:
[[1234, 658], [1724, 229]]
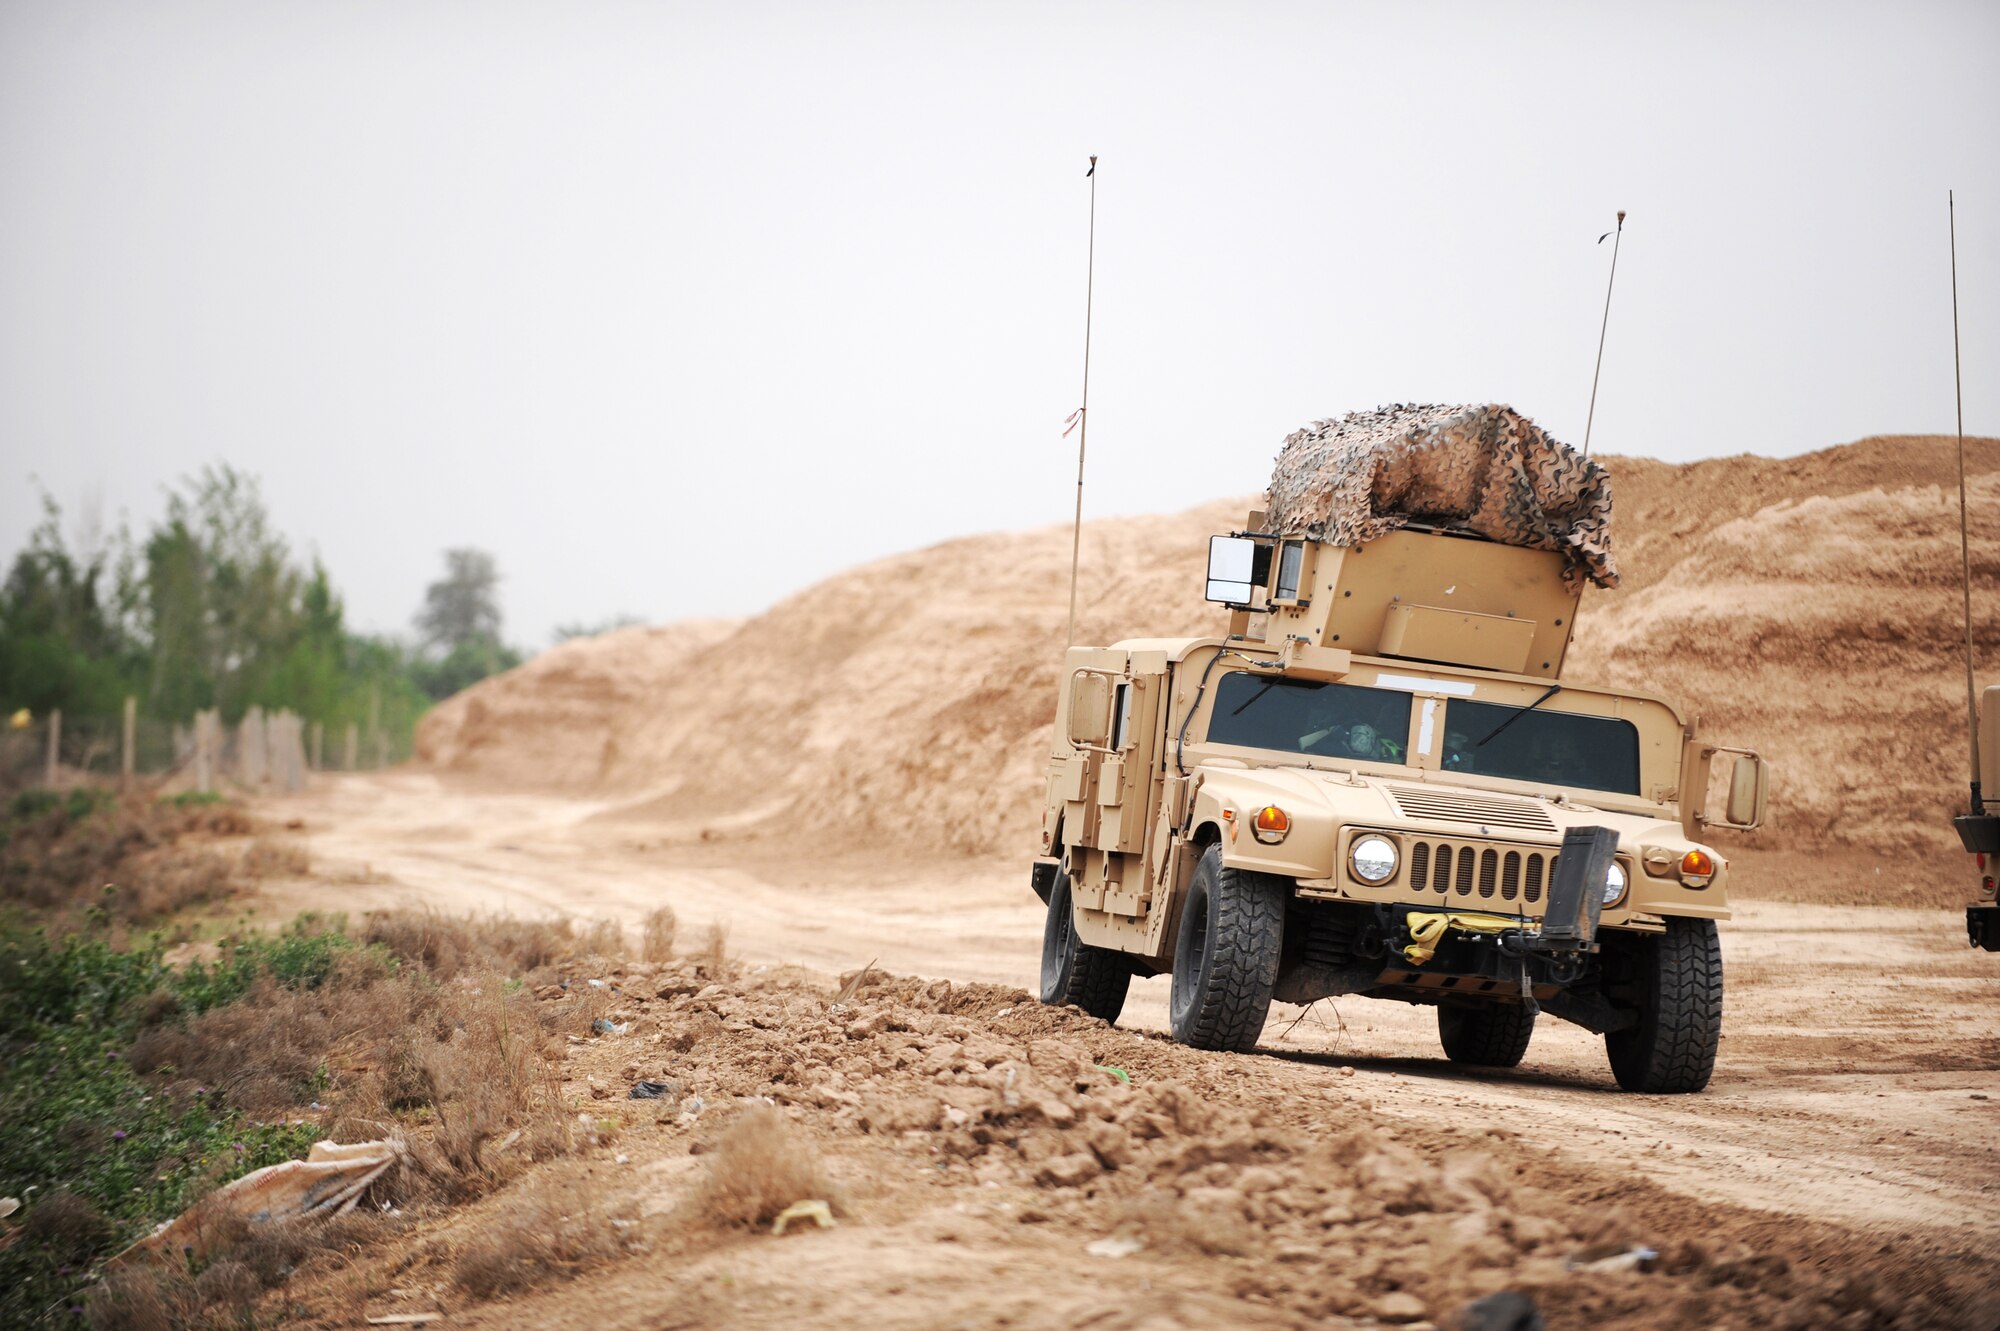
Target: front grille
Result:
[[1453, 868], [1442, 806]]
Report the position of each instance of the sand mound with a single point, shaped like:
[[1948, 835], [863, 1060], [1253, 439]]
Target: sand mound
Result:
[[1807, 606], [555, 720]]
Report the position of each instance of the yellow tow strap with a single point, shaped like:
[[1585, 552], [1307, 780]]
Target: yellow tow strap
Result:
[[1427, 929]]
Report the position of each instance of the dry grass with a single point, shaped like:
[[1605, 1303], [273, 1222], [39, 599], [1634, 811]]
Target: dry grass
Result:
[[91, 852], [67, 1226], [383, 1035], [656, 939], [276, 857], [712, 958], [448, 945], [558, 1227], [601, 938], [266, 1052], [159, 1294], [760, 1165], [497, 1098]]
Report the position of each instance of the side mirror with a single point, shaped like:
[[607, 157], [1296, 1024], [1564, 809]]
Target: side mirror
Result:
[[1746, 793], [1233, 569], [1705, 806], [1089, 710]]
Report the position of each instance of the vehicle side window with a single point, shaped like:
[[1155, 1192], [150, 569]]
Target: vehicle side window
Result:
[[1559, 748], [1305, 717]]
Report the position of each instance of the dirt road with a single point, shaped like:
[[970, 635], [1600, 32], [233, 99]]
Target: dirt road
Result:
[[1859, 1078], [1858, 1085]]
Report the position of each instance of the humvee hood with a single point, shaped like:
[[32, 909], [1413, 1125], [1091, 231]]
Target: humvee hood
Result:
[[1361, 799]]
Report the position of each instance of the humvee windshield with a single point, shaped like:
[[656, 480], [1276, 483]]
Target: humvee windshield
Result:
[[1560, 748], [1306, 717], [1349, 721]]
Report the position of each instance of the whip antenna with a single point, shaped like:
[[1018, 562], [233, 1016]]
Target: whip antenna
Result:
[[1617, 234], [1964, 542], [1079, 419]]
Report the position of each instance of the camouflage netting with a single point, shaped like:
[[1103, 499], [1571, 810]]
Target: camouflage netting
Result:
[[1487, 470]]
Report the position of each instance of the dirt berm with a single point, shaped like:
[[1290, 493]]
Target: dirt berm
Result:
[[991, 1162], [1806, 606]]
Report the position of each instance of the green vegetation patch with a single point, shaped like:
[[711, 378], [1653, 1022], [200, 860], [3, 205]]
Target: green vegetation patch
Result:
[[97, 1153]]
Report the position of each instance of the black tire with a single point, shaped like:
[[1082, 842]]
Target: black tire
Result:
[[1226, 955], [1678, 979], [1093, 978], [1492, 1035]]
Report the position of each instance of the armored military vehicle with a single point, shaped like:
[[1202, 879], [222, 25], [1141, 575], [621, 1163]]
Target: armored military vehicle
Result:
[[1377, 781]]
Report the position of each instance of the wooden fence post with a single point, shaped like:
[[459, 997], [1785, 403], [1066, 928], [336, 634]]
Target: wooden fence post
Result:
[[318, 746], [381, 750], [353, 743], [206, 724], [55, 746], [128, 758]]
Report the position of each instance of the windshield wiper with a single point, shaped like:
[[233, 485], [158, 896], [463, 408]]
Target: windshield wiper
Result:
[[1554, 689], [1268, 685]]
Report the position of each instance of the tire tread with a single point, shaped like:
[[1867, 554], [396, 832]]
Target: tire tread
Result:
[[1245, 941], [1493, 1035], [1672, 1052], [1097, 979]]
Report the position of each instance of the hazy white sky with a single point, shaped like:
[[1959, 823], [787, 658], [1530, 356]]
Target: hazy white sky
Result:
[[678, 308]]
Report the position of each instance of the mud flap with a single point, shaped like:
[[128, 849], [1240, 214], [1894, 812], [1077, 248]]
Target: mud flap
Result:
[[1043, 876]]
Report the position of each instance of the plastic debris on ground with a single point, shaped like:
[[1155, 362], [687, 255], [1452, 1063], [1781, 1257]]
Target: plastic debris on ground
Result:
[[329, 1181], [1632, 1259], [1115, 1247], [816, 1211]]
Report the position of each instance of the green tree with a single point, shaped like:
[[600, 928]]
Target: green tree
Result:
[[63, 642], [223, 600], [464, 605], [460, 625]]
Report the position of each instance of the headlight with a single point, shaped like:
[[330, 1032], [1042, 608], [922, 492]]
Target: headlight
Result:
[[1373, 859], [1614, 882]]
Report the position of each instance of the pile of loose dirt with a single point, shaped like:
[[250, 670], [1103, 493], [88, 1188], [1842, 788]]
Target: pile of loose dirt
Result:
[[555, 722], [970, 1117], [1804, 606]]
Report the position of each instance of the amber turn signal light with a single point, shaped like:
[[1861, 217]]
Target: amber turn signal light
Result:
[[1697, 867], [1272, 824]]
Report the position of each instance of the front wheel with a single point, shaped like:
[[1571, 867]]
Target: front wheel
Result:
[[1226, 955], [1093, 978], [1677, 979]]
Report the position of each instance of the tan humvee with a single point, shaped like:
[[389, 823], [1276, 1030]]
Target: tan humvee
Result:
[[1375, 785]]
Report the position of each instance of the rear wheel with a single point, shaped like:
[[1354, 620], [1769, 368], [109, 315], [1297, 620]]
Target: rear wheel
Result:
[[1226, 955], [1492, 1035], [1677, 980], [1093, 978]]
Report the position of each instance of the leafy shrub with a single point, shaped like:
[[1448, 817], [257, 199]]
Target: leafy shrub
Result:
[[100, 1152]]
